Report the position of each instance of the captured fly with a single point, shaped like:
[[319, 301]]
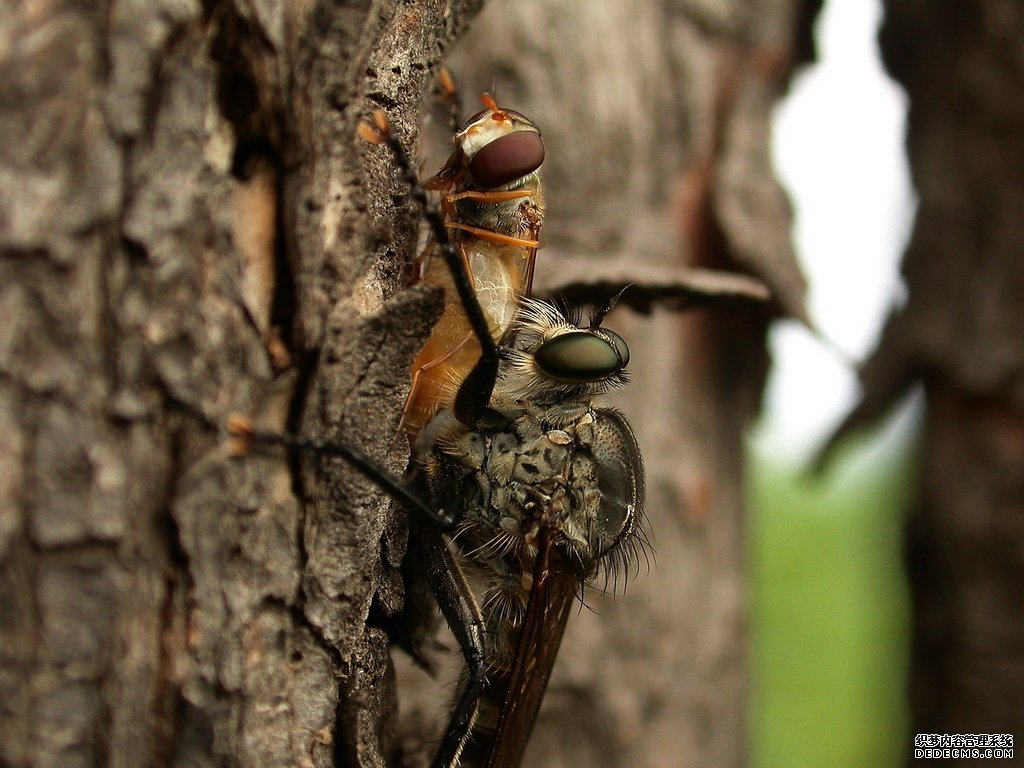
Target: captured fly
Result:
[[492, 204]]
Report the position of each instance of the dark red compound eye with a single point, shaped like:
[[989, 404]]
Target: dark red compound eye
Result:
[[506, 159]]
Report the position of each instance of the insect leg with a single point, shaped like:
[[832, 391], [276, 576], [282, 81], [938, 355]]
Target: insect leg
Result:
[[460, 609], [244, 436], [450, 93], [475, 392], [447, 581]]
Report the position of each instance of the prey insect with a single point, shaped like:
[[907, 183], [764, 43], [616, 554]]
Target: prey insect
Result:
[[492, 206], [540, 489]]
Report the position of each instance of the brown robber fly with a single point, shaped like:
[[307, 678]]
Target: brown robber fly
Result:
[[548, 491]]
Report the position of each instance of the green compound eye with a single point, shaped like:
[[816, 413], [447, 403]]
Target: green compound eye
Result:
[[583, 355]]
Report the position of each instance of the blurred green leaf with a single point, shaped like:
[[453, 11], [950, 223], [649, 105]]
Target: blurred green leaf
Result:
[[829, 613]]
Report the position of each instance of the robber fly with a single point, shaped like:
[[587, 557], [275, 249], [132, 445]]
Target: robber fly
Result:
[[546, 490], [492, 204], [550, 493], [541, 490]]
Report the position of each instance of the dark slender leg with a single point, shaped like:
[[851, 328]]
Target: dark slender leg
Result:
[[448, 583], [398, 490], [460, 610]]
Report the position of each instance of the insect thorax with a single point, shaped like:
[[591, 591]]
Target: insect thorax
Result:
[[517, 217], [571, 468]]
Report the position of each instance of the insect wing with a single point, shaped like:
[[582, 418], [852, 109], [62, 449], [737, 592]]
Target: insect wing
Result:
[[501, 275], [552, 596]]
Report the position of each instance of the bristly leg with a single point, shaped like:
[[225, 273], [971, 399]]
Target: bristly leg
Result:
[[462, 612], [244, 437], [474, 394]]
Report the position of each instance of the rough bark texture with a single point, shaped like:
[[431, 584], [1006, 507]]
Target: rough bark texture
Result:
[[960, 336], [189, 228]]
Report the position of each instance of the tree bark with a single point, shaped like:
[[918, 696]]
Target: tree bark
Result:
[[959, 335], [190, 228]]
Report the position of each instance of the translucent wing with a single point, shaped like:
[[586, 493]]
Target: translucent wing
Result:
[[552, 596]]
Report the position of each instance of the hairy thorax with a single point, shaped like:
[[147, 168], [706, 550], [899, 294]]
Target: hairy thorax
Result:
[[569, 468]]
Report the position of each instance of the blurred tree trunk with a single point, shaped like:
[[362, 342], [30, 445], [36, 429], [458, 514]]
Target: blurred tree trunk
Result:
[[959, 335], [189, 228]]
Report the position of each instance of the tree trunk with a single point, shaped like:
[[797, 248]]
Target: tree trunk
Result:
[[190, 228], [960, 336]]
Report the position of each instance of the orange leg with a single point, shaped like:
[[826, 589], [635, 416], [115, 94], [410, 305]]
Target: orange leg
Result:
[[423, 412], [489, 197], [494, 237]]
